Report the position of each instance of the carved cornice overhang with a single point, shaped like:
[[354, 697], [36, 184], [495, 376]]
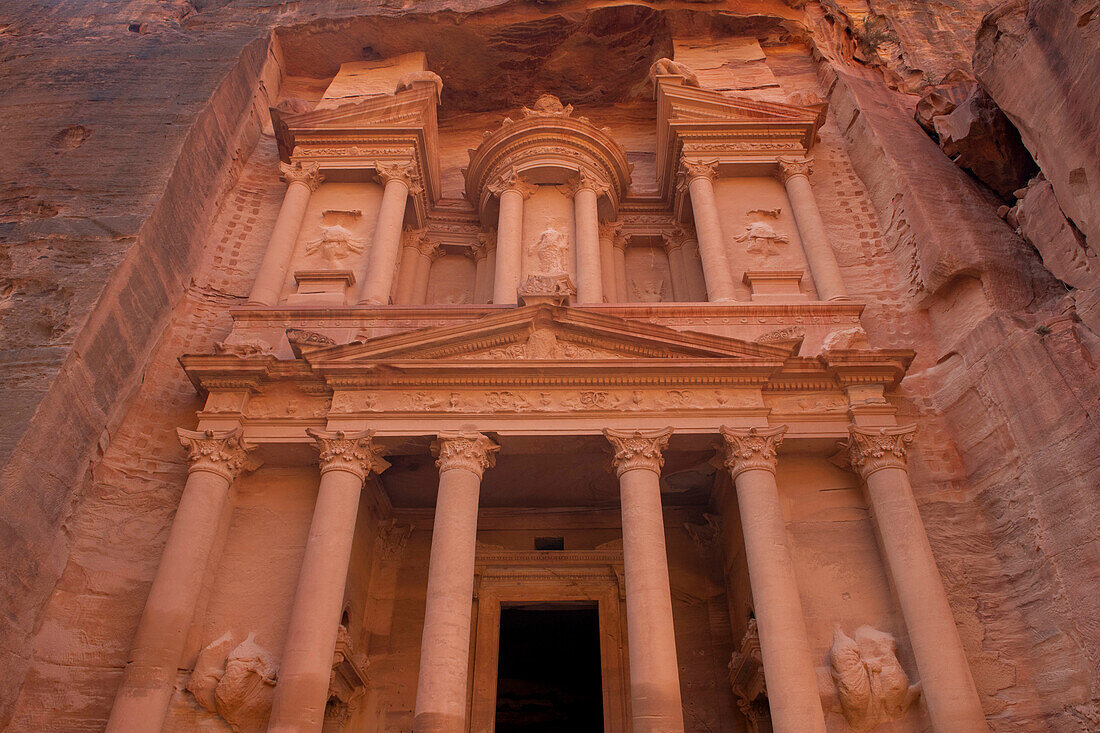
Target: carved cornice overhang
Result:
[[362, 136], [745, 135], [885, 367], [547, 148]]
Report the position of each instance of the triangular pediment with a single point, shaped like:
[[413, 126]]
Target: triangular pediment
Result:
[[409, 108], [682, 104], [545, 333]]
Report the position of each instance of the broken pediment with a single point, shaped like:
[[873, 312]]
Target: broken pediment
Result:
[[549, 333]]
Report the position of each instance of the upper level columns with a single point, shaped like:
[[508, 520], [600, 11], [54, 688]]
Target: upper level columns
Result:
[[445, 648], [485, 262], [142, 701], [512, 191], [879, 454], [654, 673], [384, 249], [815, 241], [784, 643], [708, 227], [608, 234], [346, 460], [586, 191], [302, 180]]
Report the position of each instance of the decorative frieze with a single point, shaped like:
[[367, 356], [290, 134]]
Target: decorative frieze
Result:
[[871, 449], [222, 452], [352, 452], [637, 449], [749, 449], [473, 452]]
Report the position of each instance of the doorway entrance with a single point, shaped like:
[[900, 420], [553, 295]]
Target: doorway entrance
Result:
[[549, 672]]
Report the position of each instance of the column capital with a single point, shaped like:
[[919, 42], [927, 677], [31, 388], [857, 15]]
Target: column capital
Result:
[[308, 174], [487, 242], [404, 173], [872, 449], [747, 449], [472, 451], [637, 449], [791, 167], [692, 169], [513, 181], [676, 238], [581, 182], [223, 452], [352, 452]]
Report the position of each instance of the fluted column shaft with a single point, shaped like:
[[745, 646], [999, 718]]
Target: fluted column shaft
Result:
[[784, 643], [445, 648], [586, 215], [142, 700], [948, 687], [382, 258], [708, 228], [811, 230], [302, 181], [654, 673], [512, 191], [306, 666]]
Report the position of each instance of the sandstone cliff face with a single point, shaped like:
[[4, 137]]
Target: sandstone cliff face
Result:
[[137, 179]]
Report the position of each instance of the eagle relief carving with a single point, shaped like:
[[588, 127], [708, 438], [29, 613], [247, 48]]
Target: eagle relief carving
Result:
[[761, 238], [334, 244]]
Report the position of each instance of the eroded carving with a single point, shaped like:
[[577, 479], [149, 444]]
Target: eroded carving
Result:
[[870, 685], [245, 347], [407, 80], [238, 686], [334, 244], [667, 67], [761, 238]]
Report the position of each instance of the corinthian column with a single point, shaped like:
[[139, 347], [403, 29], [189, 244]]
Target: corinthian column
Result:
[[407, 272], [512, 191], [142, 700], [784, 645], [445, 649], [485, 261], [608, 233], [879, 455], [585, 190], [346, 459], [674, 248], [654, 674], [399, 182], [618, 244], [302, 181], [795, 175], [708, 226]]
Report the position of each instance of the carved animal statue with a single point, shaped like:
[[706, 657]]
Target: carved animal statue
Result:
[[551, 249], [407, 80], [871, 686], [663, 67], [238, 686]]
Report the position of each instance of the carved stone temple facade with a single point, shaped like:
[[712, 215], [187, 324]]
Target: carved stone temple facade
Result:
[[596, 402], [450, 382]]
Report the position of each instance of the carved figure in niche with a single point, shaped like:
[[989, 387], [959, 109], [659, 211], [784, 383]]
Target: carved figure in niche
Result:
[[334, 244], [666, 66], [454, 298], [551, 249], [871, 687], [650, 290], [238, 686], [761, 238]]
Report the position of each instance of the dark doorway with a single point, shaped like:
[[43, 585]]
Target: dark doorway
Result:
[[548, 677]]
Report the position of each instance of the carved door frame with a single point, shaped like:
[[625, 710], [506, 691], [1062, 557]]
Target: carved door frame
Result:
[[505, 577]]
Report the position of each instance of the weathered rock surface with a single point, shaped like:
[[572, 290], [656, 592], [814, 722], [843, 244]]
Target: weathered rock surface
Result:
[[134, 145]]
